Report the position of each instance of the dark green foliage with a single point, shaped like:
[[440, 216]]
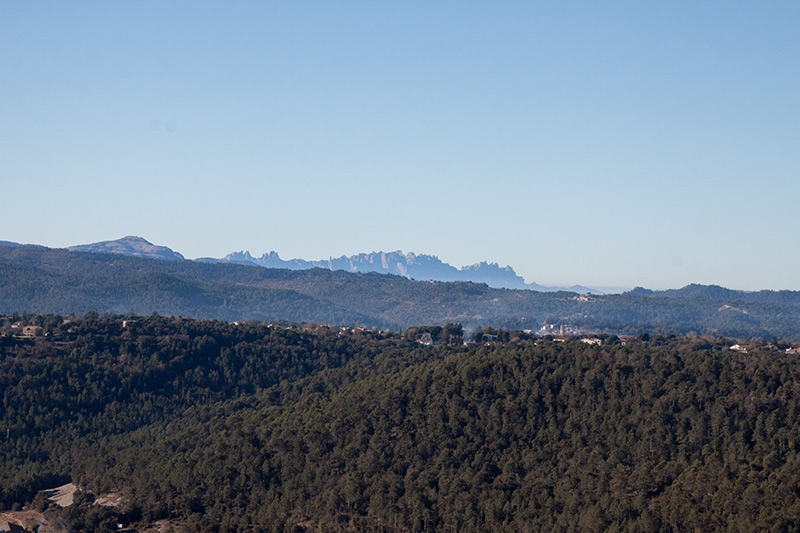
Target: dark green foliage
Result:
[[99, 379], [248, 427]]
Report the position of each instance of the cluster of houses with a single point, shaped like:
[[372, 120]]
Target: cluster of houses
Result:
[[16, 329], [343, 330], [769, 347]]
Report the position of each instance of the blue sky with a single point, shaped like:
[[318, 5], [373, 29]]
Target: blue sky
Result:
[[601, 143]]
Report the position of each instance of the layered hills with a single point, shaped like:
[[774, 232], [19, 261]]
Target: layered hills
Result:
[[410, 265], [43, 280]]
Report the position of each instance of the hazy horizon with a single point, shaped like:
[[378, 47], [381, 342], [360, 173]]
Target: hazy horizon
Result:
[[608, 289], [613, 145]]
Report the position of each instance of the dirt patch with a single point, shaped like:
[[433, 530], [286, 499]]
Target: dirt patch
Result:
[[112, 499], [63, 495], [162, 526]]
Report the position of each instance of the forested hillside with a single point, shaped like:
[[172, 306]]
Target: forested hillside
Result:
[[248, 427], [41, 280]]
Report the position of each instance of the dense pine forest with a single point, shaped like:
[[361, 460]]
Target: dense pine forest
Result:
[[254, 427]]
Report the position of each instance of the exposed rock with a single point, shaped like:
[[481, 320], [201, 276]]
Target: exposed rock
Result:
[[410, 265]]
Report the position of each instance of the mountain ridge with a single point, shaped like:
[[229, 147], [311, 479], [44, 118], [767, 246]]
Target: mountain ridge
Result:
[[57, 281], [421, 267]]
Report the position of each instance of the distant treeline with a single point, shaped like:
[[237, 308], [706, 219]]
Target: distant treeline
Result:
[[41, 280], [251, 427]]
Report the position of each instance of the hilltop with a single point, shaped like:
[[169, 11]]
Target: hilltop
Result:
[[132, 246]]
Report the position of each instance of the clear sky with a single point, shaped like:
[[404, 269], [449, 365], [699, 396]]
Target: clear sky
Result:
[[600, 143]]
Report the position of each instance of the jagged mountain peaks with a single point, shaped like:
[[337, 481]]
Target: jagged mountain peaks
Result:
[[409, 265]]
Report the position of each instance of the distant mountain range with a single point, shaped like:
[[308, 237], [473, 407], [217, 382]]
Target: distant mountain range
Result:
[[43, 280], [411, 266]]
